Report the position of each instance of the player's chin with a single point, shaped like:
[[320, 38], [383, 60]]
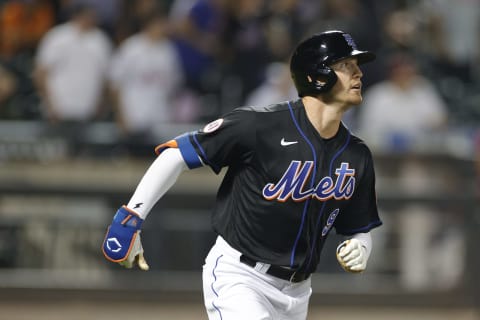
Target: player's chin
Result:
[[356, 94], [356, 99]]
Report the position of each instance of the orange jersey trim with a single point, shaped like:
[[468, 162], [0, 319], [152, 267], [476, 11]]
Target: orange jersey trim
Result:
[[163, 146]]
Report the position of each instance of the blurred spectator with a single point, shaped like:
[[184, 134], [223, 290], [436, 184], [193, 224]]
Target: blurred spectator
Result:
[[245, 50], [70, 71], [356, 18], [451, 40], [22, 24], [477, 162], [284, 27], [402, 107], [350, 15], [401, 31], [108, 12], [402, 114], [431, 243], [452, 36], [71, 67], [145, 75], [131, 16], [277, 86], [196, 36], [19, 100], [179, 9], [8, 85]]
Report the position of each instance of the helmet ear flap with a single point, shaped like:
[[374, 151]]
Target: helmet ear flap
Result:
[[324, 80], [321, 80]]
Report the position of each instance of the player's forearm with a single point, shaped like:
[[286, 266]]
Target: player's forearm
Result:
[[158, 179]]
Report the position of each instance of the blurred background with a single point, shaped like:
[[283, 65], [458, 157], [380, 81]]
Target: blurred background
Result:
[[88, 88]]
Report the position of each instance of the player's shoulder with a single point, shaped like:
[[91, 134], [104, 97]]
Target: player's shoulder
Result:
[[262, 117], [272, 108]]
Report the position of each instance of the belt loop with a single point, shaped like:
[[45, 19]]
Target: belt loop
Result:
[[292, 277], [262, 267]]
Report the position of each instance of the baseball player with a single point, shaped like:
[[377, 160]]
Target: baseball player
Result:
[[294, 173]]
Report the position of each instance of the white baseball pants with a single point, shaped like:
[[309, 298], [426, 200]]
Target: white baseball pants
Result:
[[235, 291]]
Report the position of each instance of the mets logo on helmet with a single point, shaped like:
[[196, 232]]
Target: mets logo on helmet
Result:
[[350, 41]]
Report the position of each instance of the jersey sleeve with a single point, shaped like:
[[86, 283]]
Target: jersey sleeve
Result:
[[361, 215], [224, 142]]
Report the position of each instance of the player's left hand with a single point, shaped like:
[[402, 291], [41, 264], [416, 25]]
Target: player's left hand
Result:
[[122, 242], [352, 256], [135, 256]]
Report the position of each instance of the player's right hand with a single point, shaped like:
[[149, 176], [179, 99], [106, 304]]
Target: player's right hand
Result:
[[122, 242], [352, 256]]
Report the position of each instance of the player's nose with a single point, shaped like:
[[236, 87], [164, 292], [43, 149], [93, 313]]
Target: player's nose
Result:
[[357, 72]]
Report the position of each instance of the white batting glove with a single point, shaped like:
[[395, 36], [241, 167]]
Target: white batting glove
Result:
[[352, 256], [135, 256]]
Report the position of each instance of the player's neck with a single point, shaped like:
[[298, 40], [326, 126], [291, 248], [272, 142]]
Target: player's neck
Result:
[[324, 118]]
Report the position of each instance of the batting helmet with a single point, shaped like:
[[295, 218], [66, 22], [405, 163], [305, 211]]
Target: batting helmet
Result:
[[311, 60]]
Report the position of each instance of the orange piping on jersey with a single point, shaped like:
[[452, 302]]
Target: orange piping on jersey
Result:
[[168, 144]]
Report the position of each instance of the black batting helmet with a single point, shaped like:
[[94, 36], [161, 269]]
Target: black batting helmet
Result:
[[312, 58]]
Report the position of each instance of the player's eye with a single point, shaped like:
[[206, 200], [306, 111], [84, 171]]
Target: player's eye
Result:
[[345, 65]]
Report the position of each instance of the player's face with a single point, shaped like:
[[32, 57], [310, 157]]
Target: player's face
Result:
[[348, 88]]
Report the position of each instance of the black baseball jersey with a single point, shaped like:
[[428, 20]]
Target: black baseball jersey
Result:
[[285, 187]]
